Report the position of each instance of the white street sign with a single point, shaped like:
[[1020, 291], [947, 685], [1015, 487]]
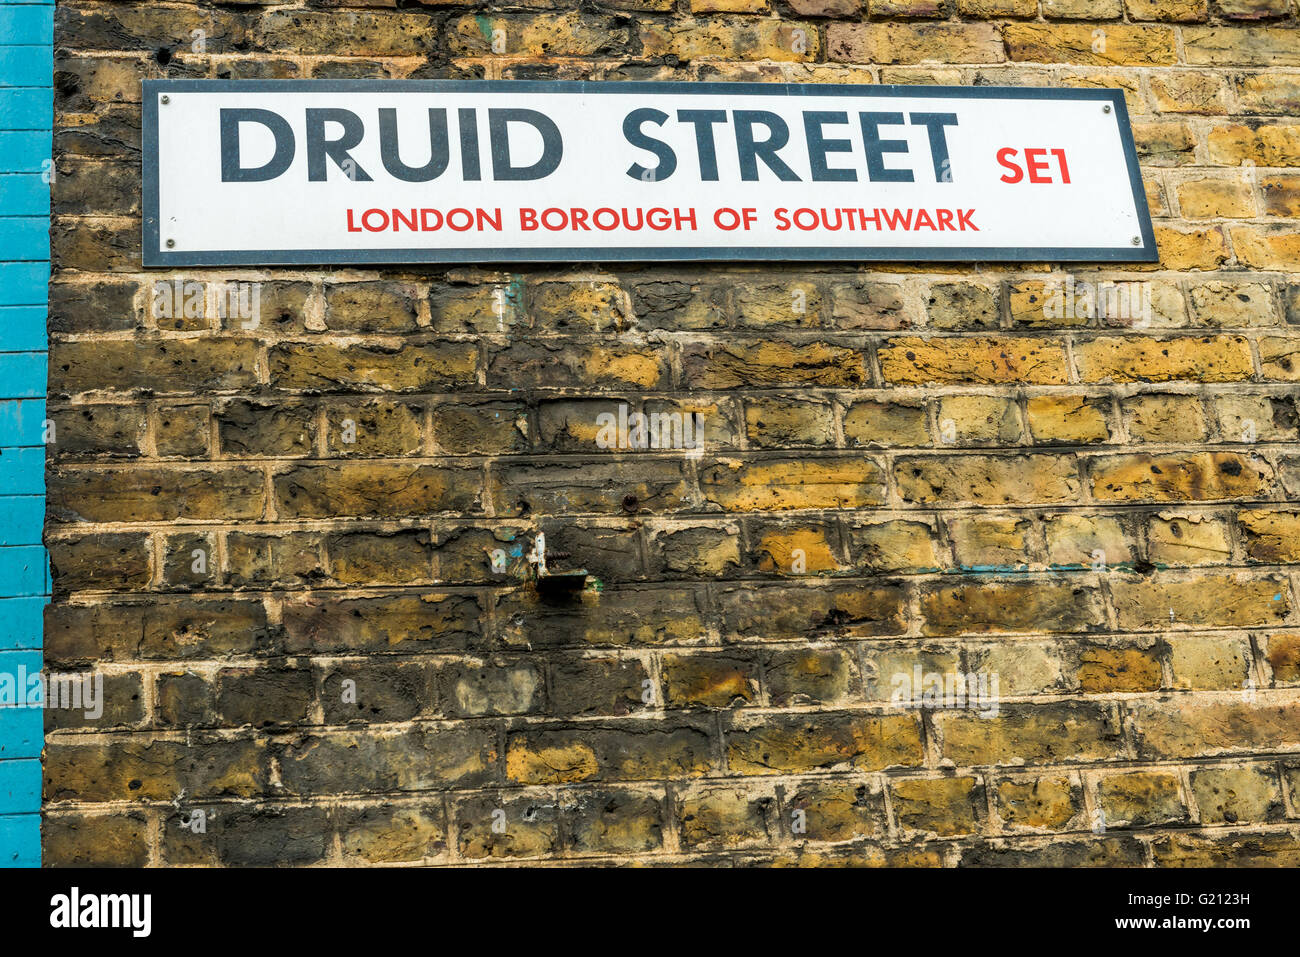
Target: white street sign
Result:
[[264, 172]]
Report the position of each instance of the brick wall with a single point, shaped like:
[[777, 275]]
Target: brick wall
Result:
[[334, 651]]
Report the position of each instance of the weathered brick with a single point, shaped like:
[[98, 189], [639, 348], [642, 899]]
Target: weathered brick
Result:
[[973, 360], [1229, 850], [1075, 541], [881, 423], [1271, 536], [113, 839], [731, 40], [1065, 732], [1237, 795], [1067, 419], [1205, 601], [392, 624], [1199, 476], [938, 807], [823, 676], [1257, 46], [117, 562], [789, 613], [906, 43], [1141, 798], [1211, 662], [895, 546], [1124, 45], [409, 759], [833, 740], [1263, 145], [159, 366], [1216, 199], [156, 770], [838, 810], [771, 364], [646, 750], [1047, 802], [317, 367], [156, 494], [1187, 726], [1010, 606], [614, 617], [1188, 540], [987, 479], [1143, 359], [788, 483], [383, 491], [613, 821], [500, 826], [383, 834]]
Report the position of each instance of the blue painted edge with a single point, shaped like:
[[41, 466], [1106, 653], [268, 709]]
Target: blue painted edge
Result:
[[26, 122], [23, 284], [20, 840], [24, 328], [21, 623]]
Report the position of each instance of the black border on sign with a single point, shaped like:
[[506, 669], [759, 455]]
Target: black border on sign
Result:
[[154, 255]]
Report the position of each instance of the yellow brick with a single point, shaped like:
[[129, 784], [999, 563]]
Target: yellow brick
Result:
[[1120, 44], [1192, 476], [1143, 359], [732, 40], [1281, 195], [796, 551], [1188, 540], [1241, 46], [1203, 94], [906, 361], [1190, 249], [1183, 10], [1215, 199], [1265, 145], [1279, 358], [894, 44], [1262, 248]]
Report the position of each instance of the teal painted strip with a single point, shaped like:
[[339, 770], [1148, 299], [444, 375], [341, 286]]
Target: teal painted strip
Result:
[[14, 662], [24, 570], [26, 119], [26, 66], [22, 328], [26, 109], [21, 622], [21, 423], [26, 24], [24, 284], [22, 472], [20, 786], [21, 729], [23, 194], [20, 840], [22, 375], [22, 518], [24, 151], [26, 237]]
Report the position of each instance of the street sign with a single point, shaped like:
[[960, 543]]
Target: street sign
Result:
[[267, 172]]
